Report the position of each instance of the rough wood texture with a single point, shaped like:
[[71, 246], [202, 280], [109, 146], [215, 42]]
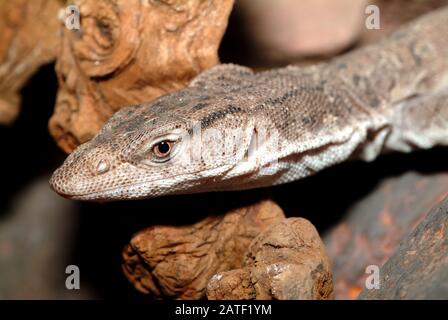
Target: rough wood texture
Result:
[[127, 52], [28, 39], [373, 229], [286, 261], [177, 262], [419, 268]]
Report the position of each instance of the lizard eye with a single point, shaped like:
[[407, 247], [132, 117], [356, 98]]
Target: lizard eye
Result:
[[162, 149]]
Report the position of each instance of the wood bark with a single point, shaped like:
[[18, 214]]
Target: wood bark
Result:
[[178, 262], [249, 253], [285, 262]]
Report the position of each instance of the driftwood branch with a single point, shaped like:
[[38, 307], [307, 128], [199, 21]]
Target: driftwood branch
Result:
[[177, 262], [286, 262], [249, 253]]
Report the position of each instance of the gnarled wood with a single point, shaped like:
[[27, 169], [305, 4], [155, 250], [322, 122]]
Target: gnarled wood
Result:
[[178, 262], [286, 261]]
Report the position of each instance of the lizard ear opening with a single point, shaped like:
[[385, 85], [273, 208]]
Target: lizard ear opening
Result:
[[252, 148]]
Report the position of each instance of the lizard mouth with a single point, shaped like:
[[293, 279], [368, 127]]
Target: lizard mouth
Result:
[[191, 183], [120, 193]]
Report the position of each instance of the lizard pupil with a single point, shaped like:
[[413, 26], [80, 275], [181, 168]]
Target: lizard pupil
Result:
[[162, 148]]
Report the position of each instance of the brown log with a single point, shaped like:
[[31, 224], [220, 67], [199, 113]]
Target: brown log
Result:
[[286, 262], [419, 268], [128, 52], [29, 38], [177, 262]]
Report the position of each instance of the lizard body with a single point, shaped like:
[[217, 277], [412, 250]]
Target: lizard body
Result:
[[273, 127]]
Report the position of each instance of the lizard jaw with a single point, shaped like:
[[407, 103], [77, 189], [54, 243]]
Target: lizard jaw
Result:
[[185, 183]]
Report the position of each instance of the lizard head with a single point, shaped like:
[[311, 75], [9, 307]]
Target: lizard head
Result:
[[185, 142]]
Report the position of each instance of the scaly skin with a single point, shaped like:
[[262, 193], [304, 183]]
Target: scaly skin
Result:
[[289, 123]]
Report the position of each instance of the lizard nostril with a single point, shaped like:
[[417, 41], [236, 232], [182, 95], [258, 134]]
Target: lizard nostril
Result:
[[102, 166]]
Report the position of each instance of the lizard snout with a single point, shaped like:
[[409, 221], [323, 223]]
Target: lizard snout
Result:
[[63, 184], [73, 181], [75, 184], [81, 174]]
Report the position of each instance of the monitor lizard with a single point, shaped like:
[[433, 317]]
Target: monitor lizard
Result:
[[233, 129]]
